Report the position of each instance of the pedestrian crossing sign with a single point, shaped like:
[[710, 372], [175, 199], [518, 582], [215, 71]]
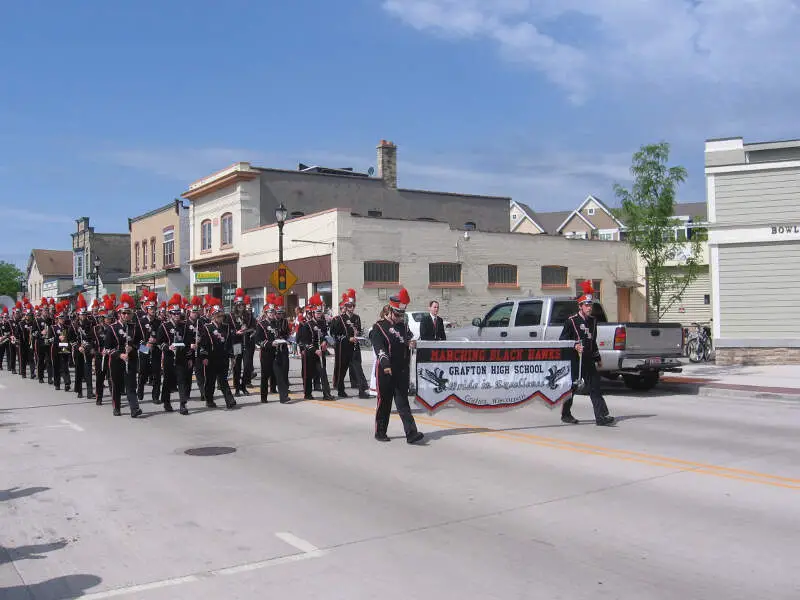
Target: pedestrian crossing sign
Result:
[[282, 279]]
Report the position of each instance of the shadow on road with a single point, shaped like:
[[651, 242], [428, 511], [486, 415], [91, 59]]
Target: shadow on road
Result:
[[32, 552], [15, 492], [58, 588]]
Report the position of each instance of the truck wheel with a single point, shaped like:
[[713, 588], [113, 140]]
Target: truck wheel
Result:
[[642, 383]]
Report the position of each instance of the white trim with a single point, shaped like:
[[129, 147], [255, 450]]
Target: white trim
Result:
[[711, 198], [715, 312], [525, 216], [724, 145], [569, 218], [767, 166]]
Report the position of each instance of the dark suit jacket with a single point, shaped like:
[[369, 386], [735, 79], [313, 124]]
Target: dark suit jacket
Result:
[[430, 330]]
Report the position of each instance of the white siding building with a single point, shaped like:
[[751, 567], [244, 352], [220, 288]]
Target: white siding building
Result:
[[754, 238]]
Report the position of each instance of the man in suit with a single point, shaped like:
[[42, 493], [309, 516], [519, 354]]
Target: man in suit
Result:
[[431, 328]]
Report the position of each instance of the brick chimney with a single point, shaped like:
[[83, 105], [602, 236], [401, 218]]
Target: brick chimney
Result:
[[387, 163]]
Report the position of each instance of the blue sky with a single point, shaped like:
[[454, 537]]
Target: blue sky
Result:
[[109, 109]]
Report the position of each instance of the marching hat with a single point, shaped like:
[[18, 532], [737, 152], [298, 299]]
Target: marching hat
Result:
[[587, 297], [196, 303], [126, 303], [80, 305], [400, 301], [175, 304], [349, 297], [239, 296]]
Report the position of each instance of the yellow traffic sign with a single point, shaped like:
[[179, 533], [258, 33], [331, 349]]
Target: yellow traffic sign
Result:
[[282, 279]]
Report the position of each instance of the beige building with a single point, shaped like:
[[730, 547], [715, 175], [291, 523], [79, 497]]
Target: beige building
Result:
[[754, 238], [466, 272], [49, 274], [159, 251]]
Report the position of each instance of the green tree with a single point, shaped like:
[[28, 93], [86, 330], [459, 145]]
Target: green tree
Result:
[[648, 207], [9, 279]]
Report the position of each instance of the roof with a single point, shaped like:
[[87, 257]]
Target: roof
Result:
[[114, 251], [53, 263], [550, 221], [171, 206], [697, 210]]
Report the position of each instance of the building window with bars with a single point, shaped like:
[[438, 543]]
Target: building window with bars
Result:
[[503, 276], [169, 247], [379, 272], [597, 286], [444, 274], [554, 276]]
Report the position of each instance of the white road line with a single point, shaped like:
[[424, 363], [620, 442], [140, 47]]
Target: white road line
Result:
[[72, 425], [308, 550], [298, 543]]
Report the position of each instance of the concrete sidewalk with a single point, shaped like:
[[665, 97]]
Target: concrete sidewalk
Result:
[[771, 381]]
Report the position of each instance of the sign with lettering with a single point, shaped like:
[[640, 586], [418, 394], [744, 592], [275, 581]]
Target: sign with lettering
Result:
[[207, 277], [486, 376], [785, 230]]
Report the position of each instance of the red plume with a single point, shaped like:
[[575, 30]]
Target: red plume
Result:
[[80, 303], [279, 301], [404, 297], [586, 286]]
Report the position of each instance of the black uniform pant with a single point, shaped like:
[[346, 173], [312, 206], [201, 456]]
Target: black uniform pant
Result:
[[216, 375], [12, 357], [393, 388], [29, 360], [238, 361], [145, 370], [83, 372], [4, 347], [271, 363], [155, 372], [43, 361], [314, 368], [249, 350], [357, 378], [174, 372], [100, 374], [341, 363], [123, 380], [200, 375], [591, 380], [60, 362]]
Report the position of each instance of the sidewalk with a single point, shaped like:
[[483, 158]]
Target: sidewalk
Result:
[[773, 381]]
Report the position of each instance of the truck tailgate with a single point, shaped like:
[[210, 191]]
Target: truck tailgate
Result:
[[653, 339]]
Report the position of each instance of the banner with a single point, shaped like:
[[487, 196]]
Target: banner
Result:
[[207, 277], [493, 375]]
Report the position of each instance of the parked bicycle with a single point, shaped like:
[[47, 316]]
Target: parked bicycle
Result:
[[699, 346]]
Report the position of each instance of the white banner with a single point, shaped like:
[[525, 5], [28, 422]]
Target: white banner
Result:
[[493, 376]]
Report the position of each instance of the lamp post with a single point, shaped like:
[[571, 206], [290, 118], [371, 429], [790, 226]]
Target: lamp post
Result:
[[280, 216], [22, 280], [97, 264]]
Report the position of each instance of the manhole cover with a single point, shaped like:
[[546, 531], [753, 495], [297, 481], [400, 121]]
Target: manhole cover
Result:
[[210, 451]]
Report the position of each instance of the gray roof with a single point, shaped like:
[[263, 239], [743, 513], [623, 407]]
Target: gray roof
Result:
[[53, 263], [550, 221], [114, 250], [697, 210]]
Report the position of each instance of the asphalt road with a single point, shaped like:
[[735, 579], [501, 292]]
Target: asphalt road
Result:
[[688, 497]]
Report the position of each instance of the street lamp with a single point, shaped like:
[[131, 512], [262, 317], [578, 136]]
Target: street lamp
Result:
[[280, 216], [97, 264], [22, 281]]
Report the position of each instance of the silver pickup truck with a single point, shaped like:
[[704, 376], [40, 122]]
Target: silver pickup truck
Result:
[[636, 352]]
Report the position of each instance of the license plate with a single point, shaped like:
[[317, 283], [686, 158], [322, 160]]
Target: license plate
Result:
[[653, 361]]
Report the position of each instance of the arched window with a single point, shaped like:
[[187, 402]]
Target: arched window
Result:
[[205, 235], [226, 233]]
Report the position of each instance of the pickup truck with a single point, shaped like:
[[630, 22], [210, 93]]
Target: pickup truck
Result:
[[636, 352]]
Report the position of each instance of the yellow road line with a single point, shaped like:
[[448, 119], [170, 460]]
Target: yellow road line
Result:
[[582, 448]]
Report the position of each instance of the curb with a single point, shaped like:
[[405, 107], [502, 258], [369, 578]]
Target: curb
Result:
[[698, 389]]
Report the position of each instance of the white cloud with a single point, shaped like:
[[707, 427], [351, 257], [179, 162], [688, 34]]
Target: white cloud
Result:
[[691, 44]]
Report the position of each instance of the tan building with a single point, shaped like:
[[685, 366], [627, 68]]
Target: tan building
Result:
[[49, 274], [159, 251], [466, 272]]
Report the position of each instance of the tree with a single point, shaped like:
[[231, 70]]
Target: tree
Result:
[[9, 279], [671, 264]]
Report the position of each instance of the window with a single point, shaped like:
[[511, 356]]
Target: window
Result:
[[562, 310], [590, 211], [608, 237], [378, 271], [144, 255], [136, 255], [205, 235], [297, 213], [503, 275], [169, 247], [528, 314], [597, 284], [470, 226], [500, 316], [706, 298], [444, 273], [226, 233], [152, 253], [554, 277], [374, 213], [79, 264]]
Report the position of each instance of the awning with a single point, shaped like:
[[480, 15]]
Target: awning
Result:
[[73, 291]]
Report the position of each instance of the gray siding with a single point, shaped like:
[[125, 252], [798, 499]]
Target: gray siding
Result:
[[757, 196], [757, 284], [693, 302]]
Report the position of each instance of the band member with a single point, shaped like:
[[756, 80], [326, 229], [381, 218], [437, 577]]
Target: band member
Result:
[[343, 332], [312, 343], [175, 339], [27, 342], [241, 327], [121, 344], [214, 351], [271, 337], [392, 343], [106, 318], [357, 379], [83, 348], [283, 358], [61, 347], [5, 339], [148, 325], [43, 343], [194, 323], [431, 327], [582, 327]]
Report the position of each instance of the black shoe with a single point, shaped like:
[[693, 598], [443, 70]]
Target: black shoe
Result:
[[211, 404], [245, 392], [184, 410], [415, 437], [308, 397], [263, 399], [569, 419], [382, 437], [80, 394], [157, 401], [99, 402], [606, 421], [342, 395], [136, 414], [58, 387], [117, 412], [284, 401], [329, 398], [237, 393], [168, 407], [90, 396]]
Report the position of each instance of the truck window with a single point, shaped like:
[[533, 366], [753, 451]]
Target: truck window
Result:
[[528, 314], [562, 310], [499, 316], [598, 313]]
